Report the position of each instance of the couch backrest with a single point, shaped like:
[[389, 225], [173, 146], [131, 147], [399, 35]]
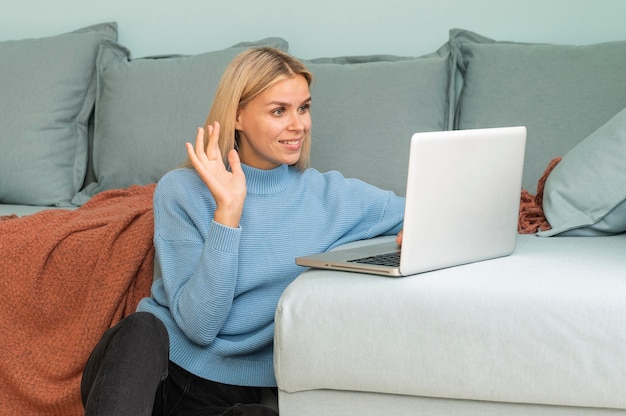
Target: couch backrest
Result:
[[364, 108]]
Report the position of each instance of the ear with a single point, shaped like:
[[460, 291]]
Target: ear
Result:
[[238, 125]]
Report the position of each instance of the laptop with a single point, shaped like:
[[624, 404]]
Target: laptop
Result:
[[462, 205]]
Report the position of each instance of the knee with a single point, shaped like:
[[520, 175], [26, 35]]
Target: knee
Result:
[[134, 351], [146, 325], [145, 330]]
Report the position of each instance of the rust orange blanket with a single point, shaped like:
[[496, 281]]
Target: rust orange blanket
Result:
[[531, 216], [65, 277]]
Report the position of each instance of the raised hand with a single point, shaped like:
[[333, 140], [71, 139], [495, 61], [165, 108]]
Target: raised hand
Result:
[[228, 187]]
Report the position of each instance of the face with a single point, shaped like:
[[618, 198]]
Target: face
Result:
[[273, 125]]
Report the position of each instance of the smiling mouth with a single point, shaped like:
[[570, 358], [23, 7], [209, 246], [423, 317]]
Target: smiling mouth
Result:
[[290, 142]]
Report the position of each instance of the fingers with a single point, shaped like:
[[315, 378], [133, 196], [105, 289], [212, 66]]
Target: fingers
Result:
[[191, 153], [200, 153], [213, 147], [234, 161], [200, 141], [195, 154]]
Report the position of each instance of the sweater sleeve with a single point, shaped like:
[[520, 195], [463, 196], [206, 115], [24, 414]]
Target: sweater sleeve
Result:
[[362, 210], [198, 257]]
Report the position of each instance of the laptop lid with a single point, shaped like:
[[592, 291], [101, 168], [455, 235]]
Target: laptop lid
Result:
[[462, 203]]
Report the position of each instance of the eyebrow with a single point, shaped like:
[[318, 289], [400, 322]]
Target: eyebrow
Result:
[[283, 104]]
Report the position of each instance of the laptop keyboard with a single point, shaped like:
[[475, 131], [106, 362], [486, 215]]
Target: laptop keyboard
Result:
[[386, 259]]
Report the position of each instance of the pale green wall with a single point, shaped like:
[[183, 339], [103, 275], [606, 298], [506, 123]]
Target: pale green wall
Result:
[[319, 27]]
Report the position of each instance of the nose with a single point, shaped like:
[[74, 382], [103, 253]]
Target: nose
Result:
[[299, 122]]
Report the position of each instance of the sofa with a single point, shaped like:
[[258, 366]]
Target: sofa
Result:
[[87, 129], [539, 332]]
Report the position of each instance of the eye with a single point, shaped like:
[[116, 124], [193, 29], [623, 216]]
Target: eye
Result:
[[278, 111], [306, 107]]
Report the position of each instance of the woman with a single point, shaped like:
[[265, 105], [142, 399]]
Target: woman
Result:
[[227, 230]]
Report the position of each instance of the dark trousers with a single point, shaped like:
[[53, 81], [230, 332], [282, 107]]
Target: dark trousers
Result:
[[129, 373]]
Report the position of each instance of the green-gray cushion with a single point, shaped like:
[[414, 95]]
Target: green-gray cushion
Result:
[[585, 194], [561, 93], [47, 95], [146, 109], [365, 109]]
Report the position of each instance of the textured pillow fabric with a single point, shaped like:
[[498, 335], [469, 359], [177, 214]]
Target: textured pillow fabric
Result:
[[47, 95], [146, 109], [561, 93], [365, 109], [585, 194]]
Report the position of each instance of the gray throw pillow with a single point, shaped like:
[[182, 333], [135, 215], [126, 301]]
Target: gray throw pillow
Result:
[[47, 95], [585, 194], [561, 93], [365, 110], [147, 108]]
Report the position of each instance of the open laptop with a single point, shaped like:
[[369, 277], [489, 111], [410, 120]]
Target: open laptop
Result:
[[462, 205]]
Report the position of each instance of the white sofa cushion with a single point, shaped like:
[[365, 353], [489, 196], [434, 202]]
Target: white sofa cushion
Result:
[[544, 325]]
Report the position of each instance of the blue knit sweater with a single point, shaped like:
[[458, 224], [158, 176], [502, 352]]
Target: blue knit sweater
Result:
[[220, 285]]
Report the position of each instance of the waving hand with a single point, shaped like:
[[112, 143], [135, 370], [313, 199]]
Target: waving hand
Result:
[[228, 187]]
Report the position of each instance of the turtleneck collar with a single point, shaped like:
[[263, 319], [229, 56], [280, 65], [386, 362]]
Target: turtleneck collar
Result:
[[273, 181]]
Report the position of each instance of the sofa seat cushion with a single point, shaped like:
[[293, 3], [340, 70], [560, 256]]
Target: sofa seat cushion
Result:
[[544, 325], [21, 210]]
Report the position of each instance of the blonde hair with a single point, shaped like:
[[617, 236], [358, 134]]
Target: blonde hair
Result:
[[248, 75]]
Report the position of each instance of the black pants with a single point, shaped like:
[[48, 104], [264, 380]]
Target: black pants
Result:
[[129, 373]]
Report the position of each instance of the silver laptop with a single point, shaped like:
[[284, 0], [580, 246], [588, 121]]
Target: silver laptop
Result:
[[462, 205]]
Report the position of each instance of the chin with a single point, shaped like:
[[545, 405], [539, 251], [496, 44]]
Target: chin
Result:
[[291, 160]]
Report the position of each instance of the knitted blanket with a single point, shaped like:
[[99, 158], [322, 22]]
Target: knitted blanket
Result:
[[531, 215], [65, 277]]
